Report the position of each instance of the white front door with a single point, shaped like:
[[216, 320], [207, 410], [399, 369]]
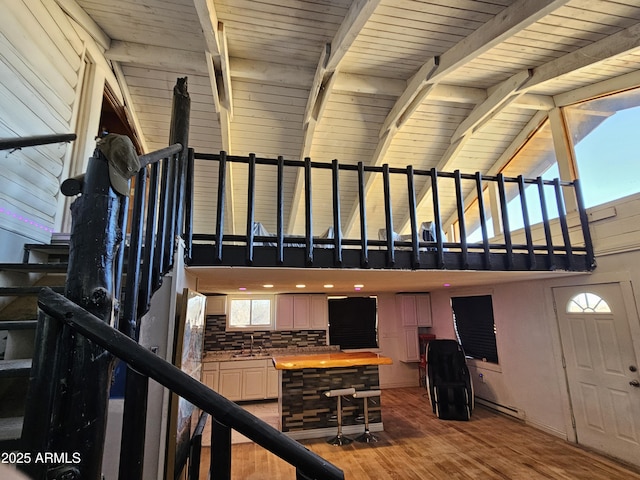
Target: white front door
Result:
[[601, 367]]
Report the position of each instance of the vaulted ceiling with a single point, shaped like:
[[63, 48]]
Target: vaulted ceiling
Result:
[[451, 84]]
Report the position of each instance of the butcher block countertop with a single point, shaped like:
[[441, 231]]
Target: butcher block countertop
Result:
[[329, 360]]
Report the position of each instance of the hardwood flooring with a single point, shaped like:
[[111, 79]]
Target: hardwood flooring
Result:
[[416, 445]]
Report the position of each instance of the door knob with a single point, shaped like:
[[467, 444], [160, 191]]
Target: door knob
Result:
[[634, 383]]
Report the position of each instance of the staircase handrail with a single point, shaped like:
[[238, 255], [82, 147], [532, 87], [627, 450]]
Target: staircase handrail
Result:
[[308, 464], [35, 140]]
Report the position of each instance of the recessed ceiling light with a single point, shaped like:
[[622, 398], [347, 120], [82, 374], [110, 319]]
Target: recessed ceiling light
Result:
[[358, 286], [357, 289], [242, 288], [300, 285], [328, 285], [268, 285], [446, 285]]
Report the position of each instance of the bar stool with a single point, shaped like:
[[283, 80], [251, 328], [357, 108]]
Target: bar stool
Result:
[[339, 439], [367, 436]]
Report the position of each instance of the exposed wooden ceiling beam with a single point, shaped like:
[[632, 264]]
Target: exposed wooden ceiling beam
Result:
[[509, 21], [498, 99], [209, 22], [530, 128], [617, 44], [333, 53], [159, 57], [76, 12], [356, 18]]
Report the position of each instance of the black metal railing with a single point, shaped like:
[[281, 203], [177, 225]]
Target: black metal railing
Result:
[[226, 415], [507, 250], [34, 141]]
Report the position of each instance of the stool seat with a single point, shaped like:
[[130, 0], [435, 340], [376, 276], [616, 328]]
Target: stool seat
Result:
[[366, 393], [340, 392]]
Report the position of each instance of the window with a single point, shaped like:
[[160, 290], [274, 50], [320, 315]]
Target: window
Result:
[[353, 322], [475, 328], [587, 303], [255, 313], [604, 133]]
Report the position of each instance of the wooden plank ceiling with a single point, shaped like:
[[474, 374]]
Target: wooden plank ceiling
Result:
[[452, 84]]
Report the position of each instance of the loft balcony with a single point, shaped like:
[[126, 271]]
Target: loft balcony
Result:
[[560, 241]]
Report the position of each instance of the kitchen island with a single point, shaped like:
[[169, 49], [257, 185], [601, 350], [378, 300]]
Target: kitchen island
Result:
[[304, 410]]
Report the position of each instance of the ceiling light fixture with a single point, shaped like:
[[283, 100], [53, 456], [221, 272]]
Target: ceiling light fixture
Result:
[[268, 285], [242, 288], [328, 285], [300, 285], [358, 285]]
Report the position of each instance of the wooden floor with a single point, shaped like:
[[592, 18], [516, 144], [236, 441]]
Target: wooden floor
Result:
[[416, 445]]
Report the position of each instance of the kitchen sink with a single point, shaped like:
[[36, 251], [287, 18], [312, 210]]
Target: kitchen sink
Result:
[[251, 355]]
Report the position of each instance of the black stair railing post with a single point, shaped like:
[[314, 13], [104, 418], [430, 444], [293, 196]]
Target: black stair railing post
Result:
[[462, 226], [545, 222], [308, 209], [364, 243], [77, 422], [562, 217], [188, 207], [251, 206], [483, 222], [411, 191], [134, 418], [280, 211], [584, 223], [527, 224], [147, 285], [220, 467], [337, 231], [388, 215], [506, 229], [179, 133], [222, 182], [436, 218]]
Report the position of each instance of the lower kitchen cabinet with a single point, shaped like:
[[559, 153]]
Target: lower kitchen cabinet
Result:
[[247, 380], [273, 381], [210, 374]]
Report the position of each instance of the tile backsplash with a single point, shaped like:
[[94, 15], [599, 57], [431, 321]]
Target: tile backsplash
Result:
[[217, 339]]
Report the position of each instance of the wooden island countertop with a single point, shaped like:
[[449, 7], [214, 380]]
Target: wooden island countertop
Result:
[[329, 360]]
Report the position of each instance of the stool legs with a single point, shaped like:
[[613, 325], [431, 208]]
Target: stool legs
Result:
[[339, 440], [367, 436]]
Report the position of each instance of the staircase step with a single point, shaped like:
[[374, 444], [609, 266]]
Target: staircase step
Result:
[[35, 267], [10, 429], [25, 291], [18, 324], [15, 368]]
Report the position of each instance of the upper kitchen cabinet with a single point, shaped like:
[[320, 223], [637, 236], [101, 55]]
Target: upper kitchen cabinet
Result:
[[216, 305], [301, 312], [415, 309]]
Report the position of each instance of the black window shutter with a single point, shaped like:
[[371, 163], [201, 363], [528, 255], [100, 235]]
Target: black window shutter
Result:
[[474, 322], [352, 322]]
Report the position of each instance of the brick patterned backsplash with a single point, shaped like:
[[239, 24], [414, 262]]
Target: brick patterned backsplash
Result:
[[217, 339]]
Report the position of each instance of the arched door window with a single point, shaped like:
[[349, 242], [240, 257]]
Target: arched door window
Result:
[[588, 303]]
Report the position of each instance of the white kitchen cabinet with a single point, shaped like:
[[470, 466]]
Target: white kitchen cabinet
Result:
[[415, 310], [248, 379], [301, 312], [210, 375], [319, 312], [411, 351], [216, 305], [273, 381], [284, 312], [298, 312], [254, 383], [230, 384]]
